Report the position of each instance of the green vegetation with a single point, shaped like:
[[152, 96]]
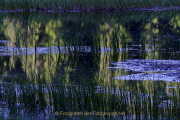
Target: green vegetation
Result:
[[86, 5], [139, 99]]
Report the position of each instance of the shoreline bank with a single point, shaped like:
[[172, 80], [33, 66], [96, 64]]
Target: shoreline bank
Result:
[[92, 9]]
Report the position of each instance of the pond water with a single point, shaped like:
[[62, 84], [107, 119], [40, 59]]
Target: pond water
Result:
[[90, 65]]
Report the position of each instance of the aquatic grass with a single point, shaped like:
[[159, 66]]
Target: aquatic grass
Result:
[[86, 97]]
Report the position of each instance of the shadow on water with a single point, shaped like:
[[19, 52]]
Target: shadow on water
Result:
[[57, 66]]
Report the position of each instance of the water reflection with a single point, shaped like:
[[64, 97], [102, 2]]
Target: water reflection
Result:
[[60, 62], [165, 70]]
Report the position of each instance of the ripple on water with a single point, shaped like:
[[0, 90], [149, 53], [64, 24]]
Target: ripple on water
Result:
[[164, 70]]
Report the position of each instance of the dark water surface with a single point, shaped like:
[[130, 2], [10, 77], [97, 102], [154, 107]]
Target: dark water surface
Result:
[[90, 65]]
